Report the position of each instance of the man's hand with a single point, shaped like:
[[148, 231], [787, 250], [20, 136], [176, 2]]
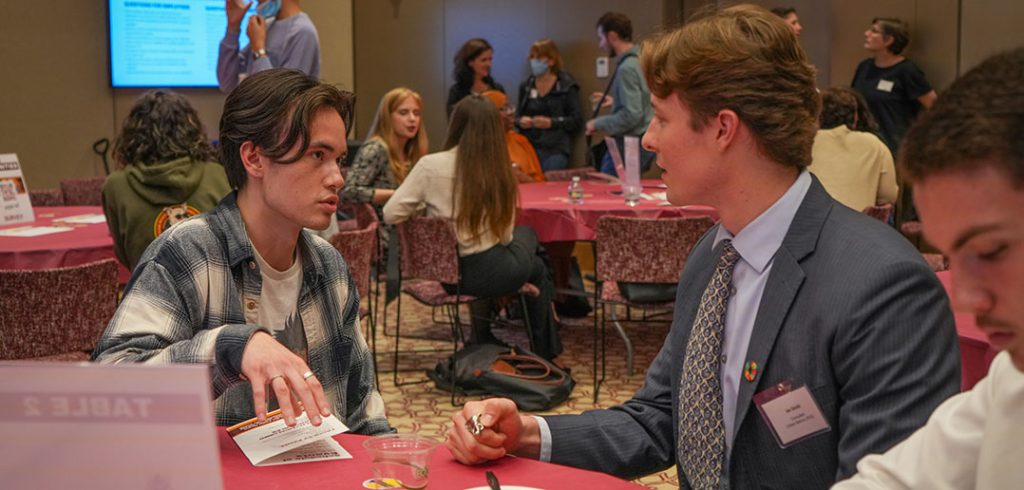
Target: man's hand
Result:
[[505, 431], [266, 362], [598, 103], [257, 32], [541, 122], [526, 122], [590, 127], [236, 12]]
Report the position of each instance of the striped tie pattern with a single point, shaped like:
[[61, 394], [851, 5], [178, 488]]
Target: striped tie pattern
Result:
[[701, 449]]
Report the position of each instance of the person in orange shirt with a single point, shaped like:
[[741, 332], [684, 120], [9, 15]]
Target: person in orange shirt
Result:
[[525, 163]]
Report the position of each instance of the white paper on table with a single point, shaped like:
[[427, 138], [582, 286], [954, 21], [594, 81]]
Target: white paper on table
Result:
[[31, 231], [661, 196], [274, 443], [84, 219]]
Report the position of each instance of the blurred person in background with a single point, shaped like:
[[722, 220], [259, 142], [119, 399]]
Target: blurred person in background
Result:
[[280, 34], [525, 164], [549, 113], [472, 72]]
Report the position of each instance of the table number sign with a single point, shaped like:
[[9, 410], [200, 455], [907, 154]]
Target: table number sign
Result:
[[101, 426], [15, 206]]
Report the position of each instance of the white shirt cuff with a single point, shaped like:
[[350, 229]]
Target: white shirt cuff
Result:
[[545, 439]]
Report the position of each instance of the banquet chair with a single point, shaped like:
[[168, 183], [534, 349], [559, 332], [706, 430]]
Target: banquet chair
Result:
[[882, 212], [56, 314], [428, 259], [83, 192], [637, 250], [357, 247], [46, 197]]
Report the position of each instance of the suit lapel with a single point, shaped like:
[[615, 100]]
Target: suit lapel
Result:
[[784, 281]]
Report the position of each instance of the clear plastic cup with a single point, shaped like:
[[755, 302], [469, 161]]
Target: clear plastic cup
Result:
[[402, 459]]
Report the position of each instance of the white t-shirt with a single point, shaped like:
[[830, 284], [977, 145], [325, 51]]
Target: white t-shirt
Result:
[[278, 305]]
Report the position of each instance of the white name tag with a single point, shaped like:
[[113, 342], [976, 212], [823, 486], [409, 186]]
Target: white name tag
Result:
[[885, 85], [791, 413], [533, 93]]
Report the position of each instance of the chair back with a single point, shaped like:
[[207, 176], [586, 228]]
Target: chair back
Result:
[[46, 197], [83, 192], [357, 248], [429, 250], [645, 250], [881, 213], [55, 311], [937, 262]]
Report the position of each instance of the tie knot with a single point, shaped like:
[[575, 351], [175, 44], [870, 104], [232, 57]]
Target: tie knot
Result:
[[729, 255]]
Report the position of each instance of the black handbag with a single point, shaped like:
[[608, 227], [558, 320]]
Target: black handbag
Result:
[[495, 370]]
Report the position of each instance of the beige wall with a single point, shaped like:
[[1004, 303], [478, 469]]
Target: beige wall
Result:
[[55, 94]]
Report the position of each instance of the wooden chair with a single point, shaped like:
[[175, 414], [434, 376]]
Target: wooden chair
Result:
[[56, 314], [83, 192]]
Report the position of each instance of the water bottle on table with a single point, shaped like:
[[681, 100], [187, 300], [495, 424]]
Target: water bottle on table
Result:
[[576, 190]]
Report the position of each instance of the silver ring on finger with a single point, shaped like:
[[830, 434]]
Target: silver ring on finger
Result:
[[308, 374]]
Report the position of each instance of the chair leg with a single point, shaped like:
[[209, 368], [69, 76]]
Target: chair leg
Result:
[[625, 338], [526, 321], [398, 336]]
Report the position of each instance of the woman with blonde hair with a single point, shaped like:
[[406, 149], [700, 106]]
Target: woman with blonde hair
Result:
[[472, 184], [397, 140]]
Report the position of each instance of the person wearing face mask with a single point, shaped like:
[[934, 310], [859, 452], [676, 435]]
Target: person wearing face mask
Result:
[[280, 36], [549, 106], [472, 72]]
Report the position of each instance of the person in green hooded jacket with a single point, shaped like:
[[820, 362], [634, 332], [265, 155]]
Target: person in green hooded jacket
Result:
[[170, 173]]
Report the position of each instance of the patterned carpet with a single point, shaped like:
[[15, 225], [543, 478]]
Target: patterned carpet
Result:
[[425, 409]]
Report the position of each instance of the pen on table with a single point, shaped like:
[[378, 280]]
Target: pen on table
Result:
[[492, 481]]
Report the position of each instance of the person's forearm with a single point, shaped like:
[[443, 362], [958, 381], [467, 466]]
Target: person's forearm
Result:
[[529, 439]]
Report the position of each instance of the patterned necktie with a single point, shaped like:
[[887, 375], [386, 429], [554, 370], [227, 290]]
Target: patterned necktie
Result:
[[701, 449]]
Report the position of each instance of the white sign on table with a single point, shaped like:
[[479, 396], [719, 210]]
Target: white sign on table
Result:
[[15, 206], [107, 426]]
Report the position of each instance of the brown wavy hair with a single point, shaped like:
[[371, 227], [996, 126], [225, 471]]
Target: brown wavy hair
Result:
[[161, 126], [470, 51], [415, 148], [274, 109], [485, 190], [844, 106], [746, 59]]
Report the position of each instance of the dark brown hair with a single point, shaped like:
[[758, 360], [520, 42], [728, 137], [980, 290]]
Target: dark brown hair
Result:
[[978, 121], [468, 52], [162, 126], [746, 59], [783, 11], [485, 191], [897, 30], [618, 23], [844, 106], [273, 109]]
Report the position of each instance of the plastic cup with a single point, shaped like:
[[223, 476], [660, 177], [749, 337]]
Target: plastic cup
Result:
[[402, 459], [631, 194]]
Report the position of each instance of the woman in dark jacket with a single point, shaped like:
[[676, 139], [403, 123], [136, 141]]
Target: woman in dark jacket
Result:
[[549, 106], [472, 72]]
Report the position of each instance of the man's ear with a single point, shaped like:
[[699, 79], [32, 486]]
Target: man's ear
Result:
[[727, 125], [252, 159]]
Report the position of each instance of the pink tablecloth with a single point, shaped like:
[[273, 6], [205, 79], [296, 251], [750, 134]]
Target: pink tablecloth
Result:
[[975, 352], [86, 243], [545, 207], [445, 472]]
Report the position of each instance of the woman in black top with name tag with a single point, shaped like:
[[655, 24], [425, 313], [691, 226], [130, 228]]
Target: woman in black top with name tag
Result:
[[894, 87], [549, 107]]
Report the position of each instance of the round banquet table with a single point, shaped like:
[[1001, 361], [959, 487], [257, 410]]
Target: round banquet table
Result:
[[83, 244], [545, 207], [445, 472], [976, 353]]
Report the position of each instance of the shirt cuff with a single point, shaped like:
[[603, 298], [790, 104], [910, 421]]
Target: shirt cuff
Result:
[[545, 439]]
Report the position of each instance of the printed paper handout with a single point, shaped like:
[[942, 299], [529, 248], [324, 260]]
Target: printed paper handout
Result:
[[274, 443]]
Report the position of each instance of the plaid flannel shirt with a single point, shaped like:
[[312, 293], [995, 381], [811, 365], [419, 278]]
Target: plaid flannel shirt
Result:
[[184, 301]]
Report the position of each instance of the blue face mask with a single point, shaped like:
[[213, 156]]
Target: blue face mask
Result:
[[538, 67], [268, 9]]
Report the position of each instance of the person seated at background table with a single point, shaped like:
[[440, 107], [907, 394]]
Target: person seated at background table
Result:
[[549, 113], [525, 164], [966, 160], [244, 288], [855, 166], [169, 173], [472, 72], [397, 141], [471, 183], [792, 297]]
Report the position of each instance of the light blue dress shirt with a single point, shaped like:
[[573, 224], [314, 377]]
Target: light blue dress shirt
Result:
[[756, 244]]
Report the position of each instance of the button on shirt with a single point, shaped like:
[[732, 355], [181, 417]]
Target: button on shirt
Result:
[[757, 244]]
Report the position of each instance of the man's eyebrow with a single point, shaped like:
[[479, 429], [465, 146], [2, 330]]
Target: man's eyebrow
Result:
[[972, 232], [321, 145]]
